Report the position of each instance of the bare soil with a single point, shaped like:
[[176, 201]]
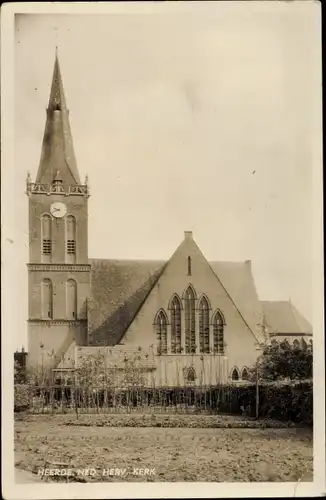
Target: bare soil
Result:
[[169, 454]]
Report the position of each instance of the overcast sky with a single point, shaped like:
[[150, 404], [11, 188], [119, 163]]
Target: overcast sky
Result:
[[197, 118]]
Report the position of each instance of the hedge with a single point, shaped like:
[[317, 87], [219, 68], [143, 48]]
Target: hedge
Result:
[[284, 402]]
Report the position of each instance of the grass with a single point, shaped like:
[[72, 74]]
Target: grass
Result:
[[176, 454]]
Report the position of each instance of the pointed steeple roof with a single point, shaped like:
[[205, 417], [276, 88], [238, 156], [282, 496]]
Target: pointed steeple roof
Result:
[[57, 148], [57, 97]]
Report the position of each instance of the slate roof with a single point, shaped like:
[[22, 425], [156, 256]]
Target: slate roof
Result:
[[237, 279], [282, 318], [120, 287], [57, 146]]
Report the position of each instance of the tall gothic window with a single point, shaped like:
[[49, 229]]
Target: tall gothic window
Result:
[[161, 333], [245, 374], [190, 320], [190, 374], [204, 326], [71, 291], [175, 325], [47, 299], [218, 333], [46, 238], [71, 239], [235, 374]]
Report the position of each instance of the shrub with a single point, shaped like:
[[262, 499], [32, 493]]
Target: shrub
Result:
[[285, 402], [22, 397]]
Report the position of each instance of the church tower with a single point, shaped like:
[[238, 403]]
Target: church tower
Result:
[[58, 269]]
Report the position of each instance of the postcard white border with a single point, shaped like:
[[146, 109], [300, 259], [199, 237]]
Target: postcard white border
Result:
[[147, 490]]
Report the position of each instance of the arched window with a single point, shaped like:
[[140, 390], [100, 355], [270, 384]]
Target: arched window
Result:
[[218, 333], [190, 374], [204, 326], [190, 320], [245, 374], [304, 344], [46, 230], [71, 239], [161, 333], [235, 374], [47, 299], [71, 299], [296, 344], [175, 325]]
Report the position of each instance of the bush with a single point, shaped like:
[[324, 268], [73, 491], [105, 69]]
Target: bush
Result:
[[22, 397], [285, 402]]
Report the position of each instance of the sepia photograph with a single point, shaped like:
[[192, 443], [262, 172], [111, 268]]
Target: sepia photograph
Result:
[[162, 250]]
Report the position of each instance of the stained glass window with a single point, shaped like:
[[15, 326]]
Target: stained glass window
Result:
[[204, 326], [218, 334], [161, 333], [175, 325], [190, 322]]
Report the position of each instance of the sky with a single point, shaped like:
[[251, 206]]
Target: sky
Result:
[[196, 117]]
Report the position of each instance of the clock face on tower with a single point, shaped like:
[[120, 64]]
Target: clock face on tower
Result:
[[58, 209]]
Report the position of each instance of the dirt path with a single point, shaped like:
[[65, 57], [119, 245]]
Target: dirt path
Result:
[[23, 477], [176, 454]]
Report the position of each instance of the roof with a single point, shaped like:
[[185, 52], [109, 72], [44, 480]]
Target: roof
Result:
[[237, 279], [57, 147], [282, 318], [120, 287]]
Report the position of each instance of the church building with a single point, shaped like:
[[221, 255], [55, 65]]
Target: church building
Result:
[[183, 317]]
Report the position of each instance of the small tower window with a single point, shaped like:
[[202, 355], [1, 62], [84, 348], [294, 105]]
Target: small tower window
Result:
[[47, 247], [47, 299], [71, 239], [189, 266], [71, 247], [46, 238], [71, 290]]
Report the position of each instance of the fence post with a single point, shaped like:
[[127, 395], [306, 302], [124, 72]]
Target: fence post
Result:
[[257, 391]]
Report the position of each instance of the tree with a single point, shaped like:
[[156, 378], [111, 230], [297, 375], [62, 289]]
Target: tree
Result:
[[282, 361], [19, 375]]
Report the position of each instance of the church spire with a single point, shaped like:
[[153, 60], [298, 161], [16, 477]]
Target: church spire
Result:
[[57, 148], [57, 99]]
